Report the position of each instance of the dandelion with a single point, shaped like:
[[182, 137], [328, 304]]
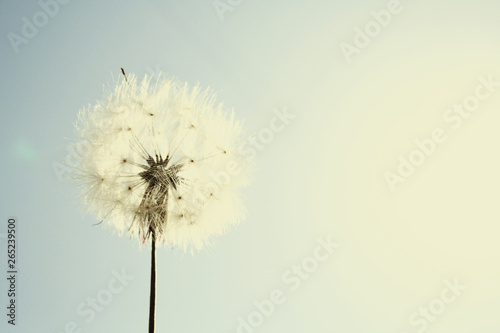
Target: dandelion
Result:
[[161, 164]]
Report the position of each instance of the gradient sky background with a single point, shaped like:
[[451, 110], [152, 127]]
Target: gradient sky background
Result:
[[323, 176]]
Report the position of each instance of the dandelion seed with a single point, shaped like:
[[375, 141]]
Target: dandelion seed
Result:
[[154, 148]]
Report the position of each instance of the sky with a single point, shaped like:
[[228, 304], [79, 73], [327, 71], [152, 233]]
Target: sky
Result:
[[374, 209]]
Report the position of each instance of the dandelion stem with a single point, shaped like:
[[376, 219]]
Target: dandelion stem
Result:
[[152, 298]]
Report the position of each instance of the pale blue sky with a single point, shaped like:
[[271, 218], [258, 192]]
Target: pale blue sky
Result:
[[322, 176]]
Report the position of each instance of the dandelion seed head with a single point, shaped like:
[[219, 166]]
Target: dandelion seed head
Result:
[[154, 161]]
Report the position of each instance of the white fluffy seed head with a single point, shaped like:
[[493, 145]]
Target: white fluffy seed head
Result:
[[162, 159]]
